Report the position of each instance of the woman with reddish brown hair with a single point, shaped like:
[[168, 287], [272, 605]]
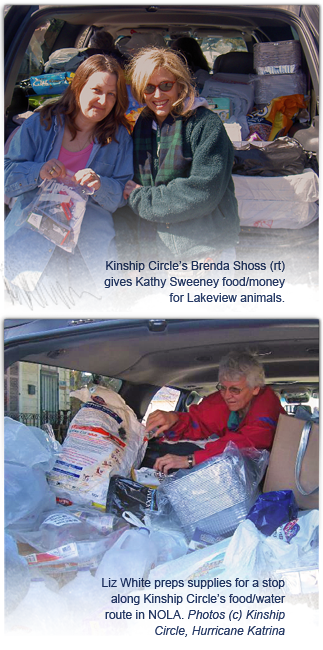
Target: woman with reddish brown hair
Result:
[[84, 132]]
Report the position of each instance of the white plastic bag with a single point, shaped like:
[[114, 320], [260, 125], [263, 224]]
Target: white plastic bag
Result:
[[277, 201], [104, 438], [251, 554], [195, 565], [26, 462], [302, 532], [68, 58]]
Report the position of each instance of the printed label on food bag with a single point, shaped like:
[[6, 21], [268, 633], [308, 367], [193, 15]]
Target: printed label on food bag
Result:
[[63, 552], [94, 448], [104, 409], [60, 520]]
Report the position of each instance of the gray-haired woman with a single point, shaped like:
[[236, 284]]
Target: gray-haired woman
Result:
[[242, 410], [238, 364]]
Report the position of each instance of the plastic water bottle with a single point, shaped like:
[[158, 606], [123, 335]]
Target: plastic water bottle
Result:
[[168, 544], [40, 613], [128, 561], [83, 596]]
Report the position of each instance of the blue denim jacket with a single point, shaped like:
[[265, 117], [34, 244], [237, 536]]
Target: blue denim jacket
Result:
[[27, 252]]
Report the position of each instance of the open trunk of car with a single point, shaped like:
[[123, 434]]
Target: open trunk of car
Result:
[[289, 225]]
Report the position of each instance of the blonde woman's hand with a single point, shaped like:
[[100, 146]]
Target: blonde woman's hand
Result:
[[129, 187], [89, 178], [52, 169]]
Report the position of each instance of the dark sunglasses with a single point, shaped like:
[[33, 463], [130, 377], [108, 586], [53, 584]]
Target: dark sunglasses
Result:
[[164, 86]]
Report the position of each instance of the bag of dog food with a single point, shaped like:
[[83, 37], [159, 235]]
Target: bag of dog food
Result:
[[104, 438]]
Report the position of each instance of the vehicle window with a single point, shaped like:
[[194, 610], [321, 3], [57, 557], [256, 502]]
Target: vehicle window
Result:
[[36, 394], [213, 46], [39, 48], [311, 406], [165, 399]]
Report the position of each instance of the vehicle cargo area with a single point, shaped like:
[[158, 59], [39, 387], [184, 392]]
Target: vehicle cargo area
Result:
[[262, 80], [92, 532]]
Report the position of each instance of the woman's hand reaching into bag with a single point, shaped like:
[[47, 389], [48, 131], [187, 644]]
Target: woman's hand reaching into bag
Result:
[[89, 178]]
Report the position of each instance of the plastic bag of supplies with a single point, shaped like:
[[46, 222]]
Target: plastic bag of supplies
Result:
[[216, 495], [57, 211]]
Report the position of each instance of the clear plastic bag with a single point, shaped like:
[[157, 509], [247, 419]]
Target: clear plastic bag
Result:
[[62, 525], [28, 456], [57, 212], [216, 495], [74, 555]]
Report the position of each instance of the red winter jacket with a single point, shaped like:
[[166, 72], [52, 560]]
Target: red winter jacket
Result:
[[257, 429]]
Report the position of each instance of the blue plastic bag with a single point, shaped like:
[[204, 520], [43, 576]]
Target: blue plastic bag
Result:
[[49, 84], [272, 509]]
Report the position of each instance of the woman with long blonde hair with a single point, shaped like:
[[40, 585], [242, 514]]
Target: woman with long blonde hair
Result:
[[181, 203]]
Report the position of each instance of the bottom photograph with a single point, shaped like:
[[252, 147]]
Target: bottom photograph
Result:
[[161, 477]]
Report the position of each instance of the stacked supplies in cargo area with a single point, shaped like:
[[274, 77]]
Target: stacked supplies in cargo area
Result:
[[278, 67], [280, 89], [276, 180], [231, 97], [198, 524]]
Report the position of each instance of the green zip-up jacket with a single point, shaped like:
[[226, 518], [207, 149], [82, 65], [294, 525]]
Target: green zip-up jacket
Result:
[[194, 214]]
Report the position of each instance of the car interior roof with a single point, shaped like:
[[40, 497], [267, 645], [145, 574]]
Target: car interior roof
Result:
[[200, 19], [184, 354]]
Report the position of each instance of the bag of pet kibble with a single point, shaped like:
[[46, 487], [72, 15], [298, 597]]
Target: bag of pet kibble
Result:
[[104, 438]]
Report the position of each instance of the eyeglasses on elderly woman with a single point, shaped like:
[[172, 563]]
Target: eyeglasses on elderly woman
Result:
[[234, 390]]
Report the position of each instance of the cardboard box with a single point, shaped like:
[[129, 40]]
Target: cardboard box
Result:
[[234, 132], [281, 469], [25, 549], [103, 622]]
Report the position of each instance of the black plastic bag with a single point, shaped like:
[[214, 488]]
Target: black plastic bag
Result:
[[125, 494], [281, 157]]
